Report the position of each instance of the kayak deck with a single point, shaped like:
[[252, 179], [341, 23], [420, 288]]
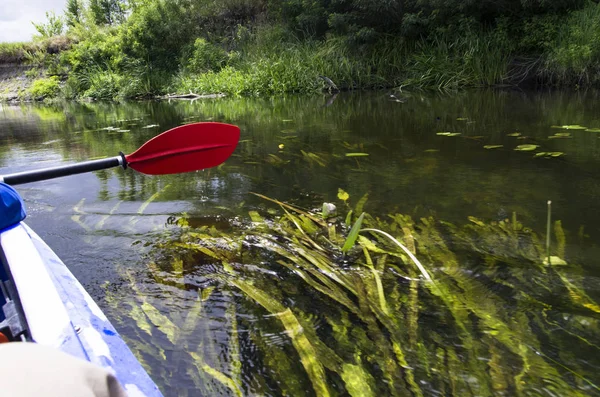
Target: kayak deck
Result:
[[61, 314]]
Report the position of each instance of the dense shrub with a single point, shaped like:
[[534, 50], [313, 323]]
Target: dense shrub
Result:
[[574, 56], [205, 57], [45, 87]]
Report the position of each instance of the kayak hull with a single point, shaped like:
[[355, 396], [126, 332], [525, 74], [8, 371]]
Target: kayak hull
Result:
[[61, 314]]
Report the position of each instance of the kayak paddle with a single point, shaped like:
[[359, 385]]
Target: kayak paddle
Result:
[[190, 147]]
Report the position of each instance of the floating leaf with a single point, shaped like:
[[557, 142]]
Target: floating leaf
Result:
[[526, 148], [431, 151], [462, 119], [343, 195], [353, 235], [549, 154], [574, 127], [593, 129], [281, 146], [448, 133], [493, 146], [561, 135], [514, 134], [356, 154], [150, 126]]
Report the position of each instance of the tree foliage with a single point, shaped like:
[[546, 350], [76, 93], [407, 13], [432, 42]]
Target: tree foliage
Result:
[[53, 26], [73, 12], [107, 12]]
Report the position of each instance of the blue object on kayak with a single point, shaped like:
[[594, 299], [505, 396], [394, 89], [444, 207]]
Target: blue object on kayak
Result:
[[12, 210]]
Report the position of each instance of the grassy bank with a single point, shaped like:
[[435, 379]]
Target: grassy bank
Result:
[[260, 52]]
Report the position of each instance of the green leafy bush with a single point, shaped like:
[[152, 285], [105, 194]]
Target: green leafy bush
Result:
[[206, 56], [45, 87], [574, 57]]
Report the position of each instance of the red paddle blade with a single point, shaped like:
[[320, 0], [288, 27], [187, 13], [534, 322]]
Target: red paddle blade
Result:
[[190, 147]]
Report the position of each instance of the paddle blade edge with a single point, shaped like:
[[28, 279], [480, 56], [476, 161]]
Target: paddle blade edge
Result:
[[187, 148]]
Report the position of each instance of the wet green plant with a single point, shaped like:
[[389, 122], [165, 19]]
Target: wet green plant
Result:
[[353, 308]]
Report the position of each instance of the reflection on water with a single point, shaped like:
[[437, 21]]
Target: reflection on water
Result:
[[301, 151]]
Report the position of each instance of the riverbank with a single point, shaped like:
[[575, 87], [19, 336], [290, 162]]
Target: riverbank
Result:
[[263, 51]]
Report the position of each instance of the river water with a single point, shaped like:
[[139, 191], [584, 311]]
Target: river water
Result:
[[106, 225]]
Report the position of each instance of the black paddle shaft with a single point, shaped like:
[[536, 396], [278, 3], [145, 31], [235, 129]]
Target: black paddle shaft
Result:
[[71, 169]]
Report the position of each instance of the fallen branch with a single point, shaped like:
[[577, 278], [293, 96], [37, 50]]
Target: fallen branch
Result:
[[191, 96]]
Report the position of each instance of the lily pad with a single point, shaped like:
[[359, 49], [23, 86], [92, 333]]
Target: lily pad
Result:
[[493, 146], [462, 119], [448, 133], [356, 154], [514, 134], [549, 154], [574, 127], [593, 129], [526, 148]]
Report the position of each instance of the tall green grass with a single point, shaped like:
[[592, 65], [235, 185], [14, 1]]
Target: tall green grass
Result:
[[574, 57], [269, 68], [471, 60]]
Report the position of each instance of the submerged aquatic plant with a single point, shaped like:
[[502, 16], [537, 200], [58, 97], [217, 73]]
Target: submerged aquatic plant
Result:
[[392, 306]]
